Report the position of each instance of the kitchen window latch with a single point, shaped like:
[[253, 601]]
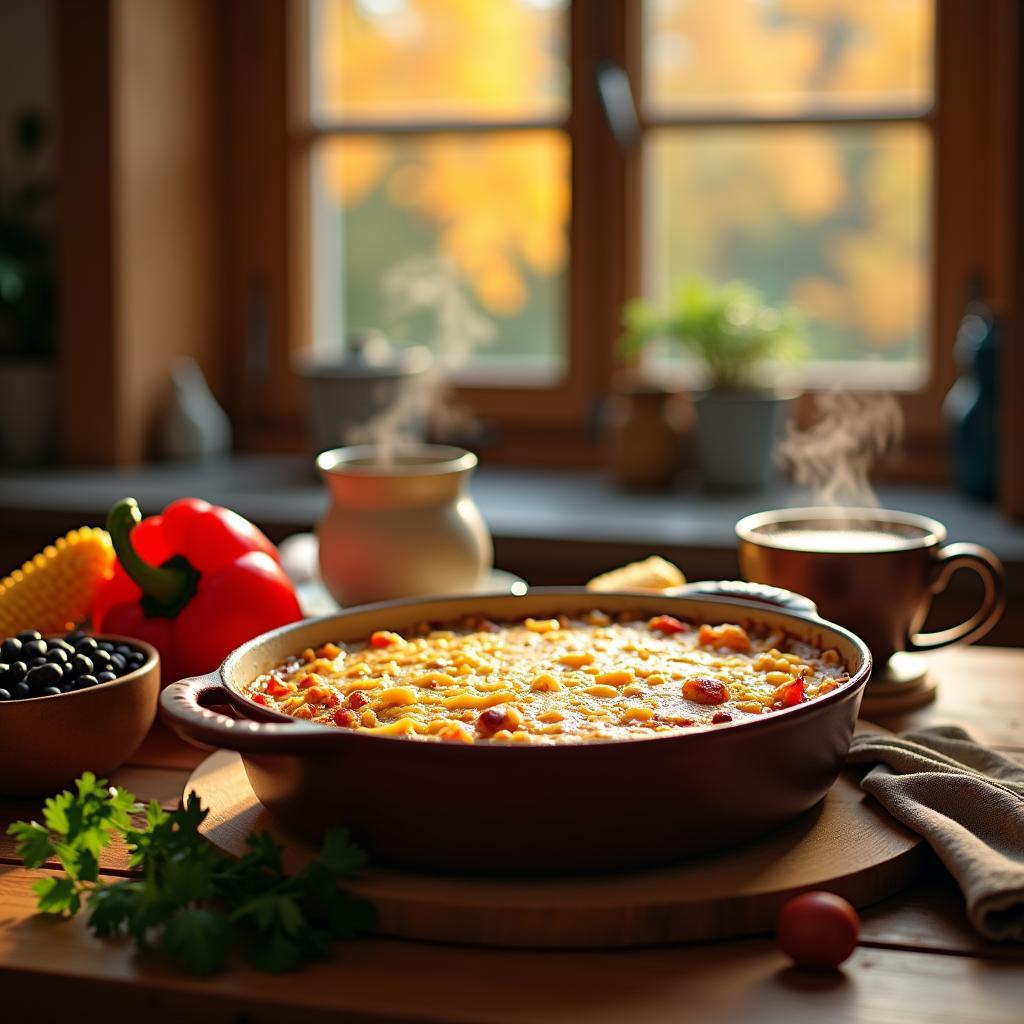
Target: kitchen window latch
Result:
[[616, 95]]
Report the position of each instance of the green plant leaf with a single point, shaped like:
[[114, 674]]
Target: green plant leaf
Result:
[[33, 842], [199, 939]]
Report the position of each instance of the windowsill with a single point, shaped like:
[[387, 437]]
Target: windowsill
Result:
[[570, 507]]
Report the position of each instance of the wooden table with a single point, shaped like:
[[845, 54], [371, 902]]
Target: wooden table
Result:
[[918, 959]]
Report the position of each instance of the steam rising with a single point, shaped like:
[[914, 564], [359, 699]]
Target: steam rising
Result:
[[428, 285], [835, 454]]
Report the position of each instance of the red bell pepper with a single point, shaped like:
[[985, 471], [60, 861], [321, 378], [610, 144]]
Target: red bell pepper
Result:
[[196, 582]]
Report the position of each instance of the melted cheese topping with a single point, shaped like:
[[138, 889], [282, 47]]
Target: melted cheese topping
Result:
[[550, 680]]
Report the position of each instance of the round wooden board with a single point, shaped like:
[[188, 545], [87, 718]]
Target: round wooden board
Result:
[[847, 844]]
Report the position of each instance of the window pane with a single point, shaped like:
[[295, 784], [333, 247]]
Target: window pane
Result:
[[787, 56], [481, 217], [436, 59], [834, 220]]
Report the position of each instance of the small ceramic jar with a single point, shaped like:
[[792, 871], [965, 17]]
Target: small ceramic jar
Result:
[[400, 526]]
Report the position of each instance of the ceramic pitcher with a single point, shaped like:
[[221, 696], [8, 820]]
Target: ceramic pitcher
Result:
[[400, 523]]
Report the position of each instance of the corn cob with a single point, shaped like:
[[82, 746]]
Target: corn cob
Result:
[[55, 591]]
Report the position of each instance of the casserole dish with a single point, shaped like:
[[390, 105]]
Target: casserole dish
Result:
[[500, 808]]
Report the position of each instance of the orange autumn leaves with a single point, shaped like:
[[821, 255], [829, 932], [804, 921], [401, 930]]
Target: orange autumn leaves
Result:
[[499, 202]]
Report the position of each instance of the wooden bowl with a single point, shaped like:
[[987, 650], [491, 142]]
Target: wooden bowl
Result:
[[47, 742]]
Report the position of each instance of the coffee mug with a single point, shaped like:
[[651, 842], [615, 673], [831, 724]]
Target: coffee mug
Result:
[[872, 570]]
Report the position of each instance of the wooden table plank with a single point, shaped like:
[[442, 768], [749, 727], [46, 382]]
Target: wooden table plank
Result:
[[379, 979], [919, 959]]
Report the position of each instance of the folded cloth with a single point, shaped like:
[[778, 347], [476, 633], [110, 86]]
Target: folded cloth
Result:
[[968, 802]]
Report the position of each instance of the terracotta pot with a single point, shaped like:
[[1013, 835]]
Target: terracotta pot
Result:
[[644, 438], [47, 742], [400, 528], [513, 808]]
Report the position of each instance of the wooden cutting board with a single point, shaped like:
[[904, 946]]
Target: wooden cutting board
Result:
[[847, 844]]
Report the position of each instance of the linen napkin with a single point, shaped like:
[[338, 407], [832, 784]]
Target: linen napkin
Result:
[[968, 802]]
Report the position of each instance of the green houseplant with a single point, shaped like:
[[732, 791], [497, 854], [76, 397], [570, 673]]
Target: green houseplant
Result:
[[734, 335]]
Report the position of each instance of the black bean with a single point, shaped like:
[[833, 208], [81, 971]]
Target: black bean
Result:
[[57, 656], [5, 694], [86, 645], [43, 676], [50, 691], [36, 662], [81, 665], [10, 649], [16, 672], [4, 669], [20, 691], [74, 636], [100, 656], [106, 645], [84, 682], [117, 662], [106, 677], [67, 686], [33, 649], [62, 645], [137, 658], [124, 649], [29, 634]]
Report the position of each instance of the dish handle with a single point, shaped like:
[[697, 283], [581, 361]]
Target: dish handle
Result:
[[761, 593], [186, 707]]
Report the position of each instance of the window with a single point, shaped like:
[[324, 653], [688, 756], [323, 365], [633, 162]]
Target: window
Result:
[[833, 153]]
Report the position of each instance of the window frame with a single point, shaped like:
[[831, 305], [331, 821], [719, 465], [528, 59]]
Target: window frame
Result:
[[267, 196]]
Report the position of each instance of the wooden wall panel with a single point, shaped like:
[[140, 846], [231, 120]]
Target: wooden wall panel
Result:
[[139, 195]]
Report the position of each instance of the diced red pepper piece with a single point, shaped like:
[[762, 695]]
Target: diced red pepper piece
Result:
[[344, 718], [278, 689], [357, 699], [721, 717], [666, 624], [261, 699], [790, 694], [384, 638]]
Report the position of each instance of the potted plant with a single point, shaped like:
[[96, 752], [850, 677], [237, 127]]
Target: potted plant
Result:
[[733, 334], [28, 402]]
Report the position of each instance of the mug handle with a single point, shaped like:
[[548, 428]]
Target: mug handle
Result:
[[948, 559]]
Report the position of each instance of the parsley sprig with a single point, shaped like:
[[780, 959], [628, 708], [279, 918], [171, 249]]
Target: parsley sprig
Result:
[[189, 899]]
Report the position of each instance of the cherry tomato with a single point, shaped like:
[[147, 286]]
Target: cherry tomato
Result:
[[818, 930], [666, 624]]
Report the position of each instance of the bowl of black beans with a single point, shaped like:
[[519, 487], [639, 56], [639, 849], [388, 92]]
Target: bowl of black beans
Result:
[[71, 703]]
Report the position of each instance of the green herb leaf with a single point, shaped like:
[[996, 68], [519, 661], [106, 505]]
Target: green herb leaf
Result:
[[57, 895], [111, 907], [199, 939], [33, 841]]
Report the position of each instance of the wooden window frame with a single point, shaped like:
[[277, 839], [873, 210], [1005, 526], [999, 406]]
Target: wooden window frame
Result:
[[975, 152]]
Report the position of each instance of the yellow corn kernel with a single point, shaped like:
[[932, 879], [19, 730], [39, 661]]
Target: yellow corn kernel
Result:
[[321, 695], [546, 683], [637, 714], [616, 678], [55, 591], [402, 727], [827, 687], [355, 671], [551, 716], [597, 618], [434, 679], [329, 651], [395, 696], [308, 655], [502, 734], [361, 684], [303, 711], [542, 625], [601, 690], [308, 680], [752, 707], [368, 719], [321, 667], [577, 659], [656, 679], [632, 690], [778, 678], [456, 732], [830, 657], [555, 729], [524, 737], [478, 700]]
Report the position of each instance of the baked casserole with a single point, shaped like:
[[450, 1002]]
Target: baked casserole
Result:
[[554, 680]]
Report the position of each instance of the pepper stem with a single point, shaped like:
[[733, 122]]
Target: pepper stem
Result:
[[167, 588]]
